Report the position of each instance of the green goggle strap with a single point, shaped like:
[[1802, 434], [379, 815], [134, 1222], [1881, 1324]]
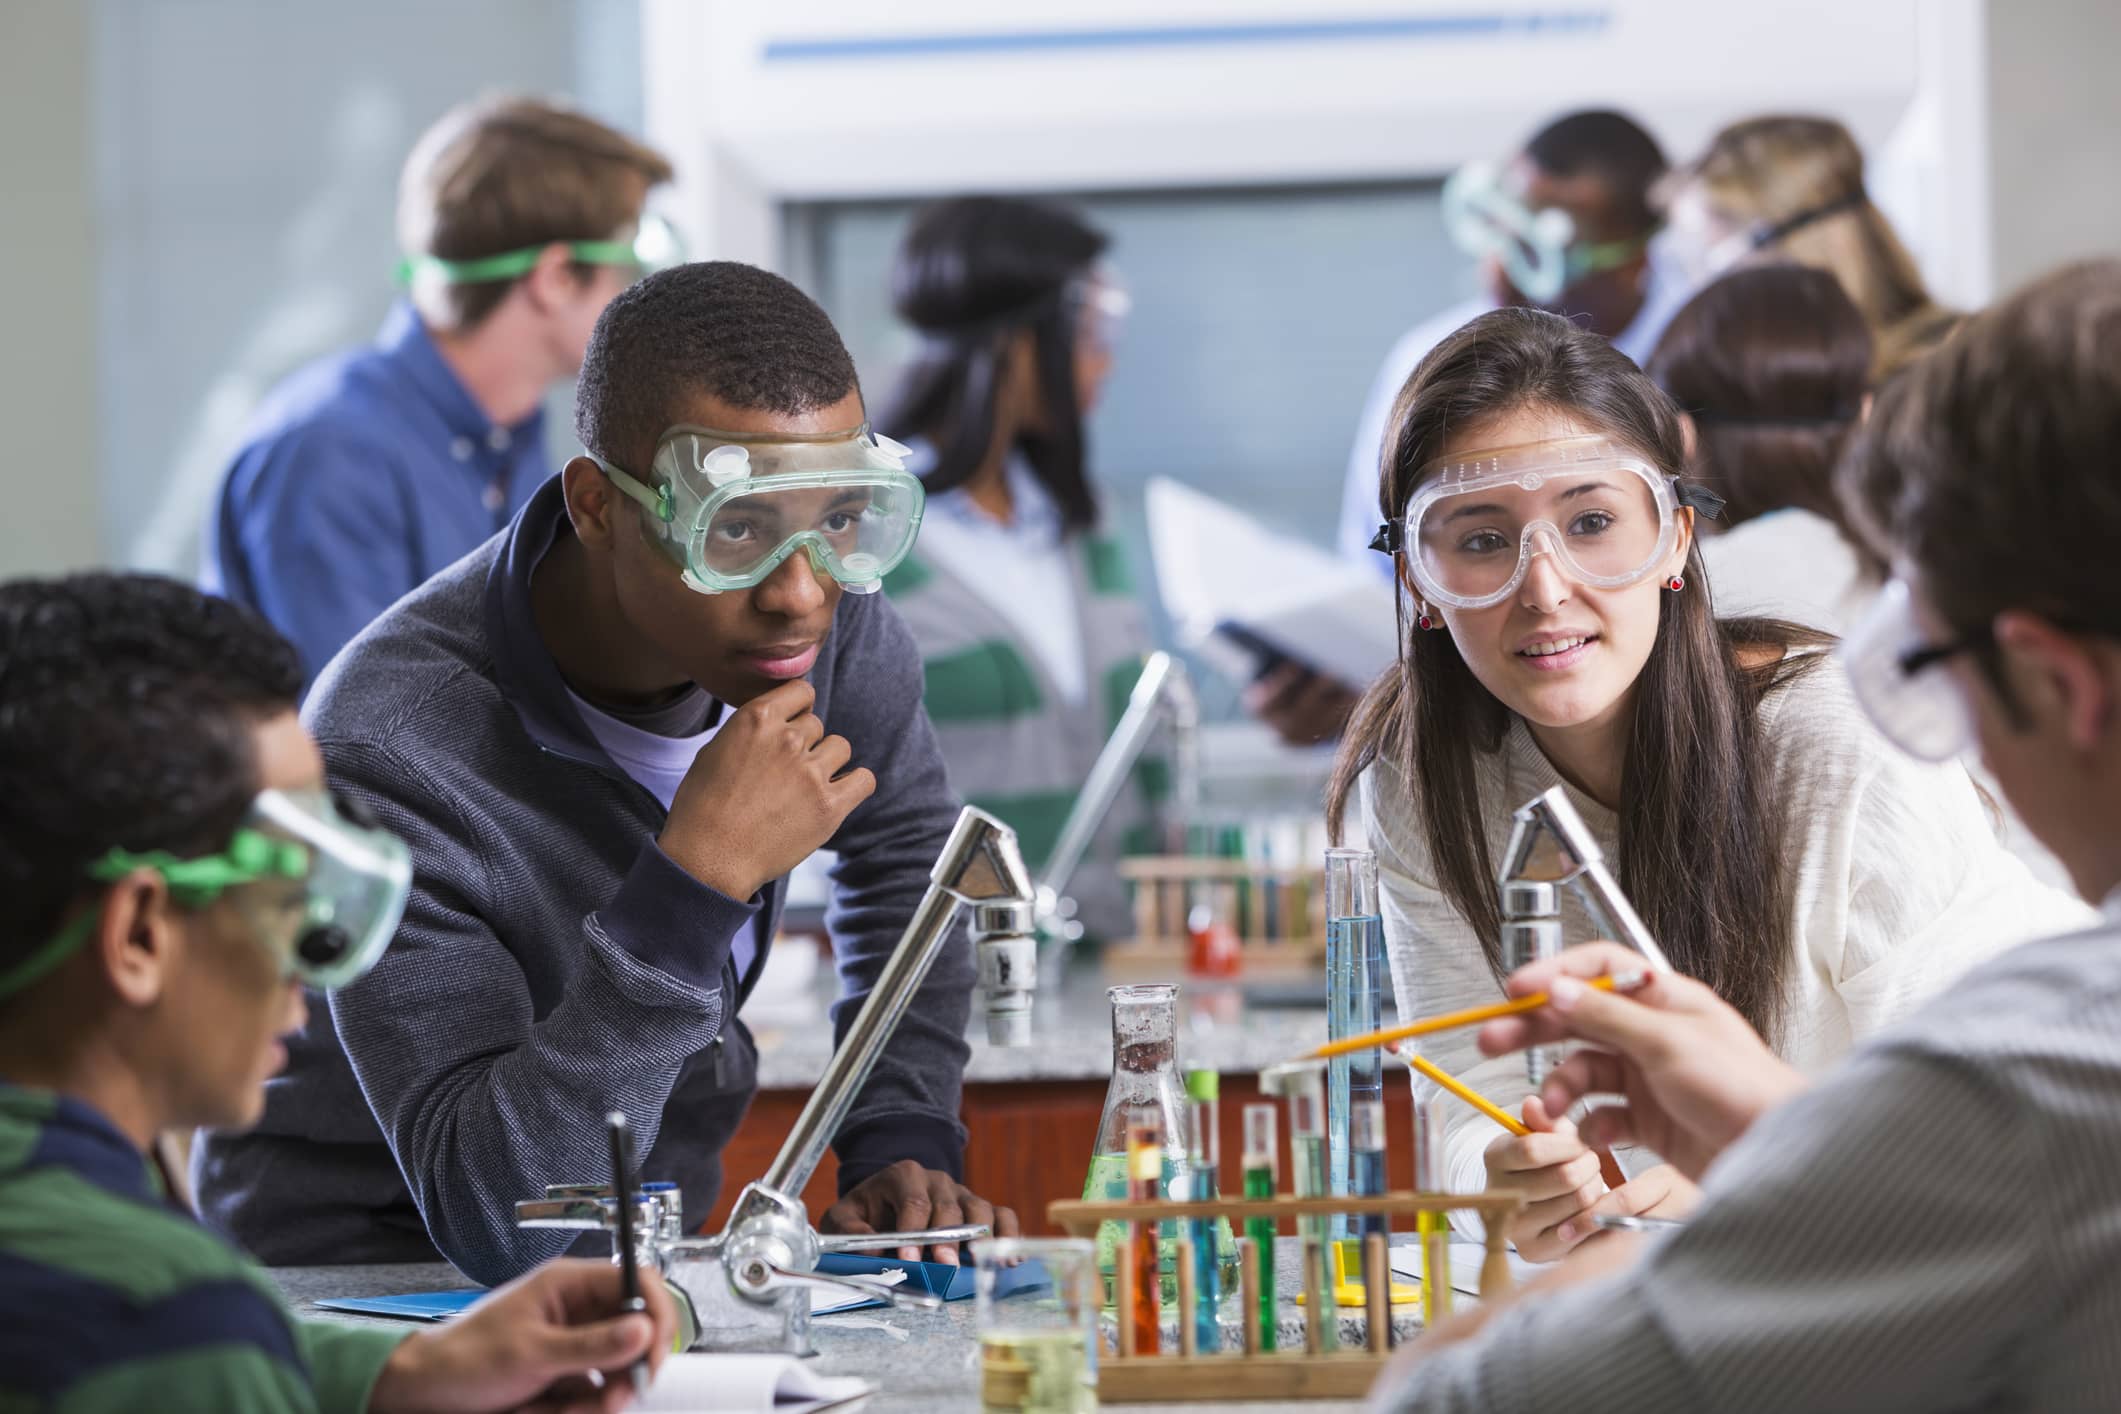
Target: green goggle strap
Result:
[[194, 883], [657, 499], [1590, 259], [511, 263]]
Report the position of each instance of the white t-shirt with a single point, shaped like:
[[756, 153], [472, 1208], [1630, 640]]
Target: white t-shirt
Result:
[[658, 763], [1898, 886], [1025, 569]]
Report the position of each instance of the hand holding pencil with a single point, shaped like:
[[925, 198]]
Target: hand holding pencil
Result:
[[1693, 1074]]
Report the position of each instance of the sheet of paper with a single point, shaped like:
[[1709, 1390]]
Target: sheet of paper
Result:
[[823, 1301], [748, 1384], [1215, 565], [1466, 1258]]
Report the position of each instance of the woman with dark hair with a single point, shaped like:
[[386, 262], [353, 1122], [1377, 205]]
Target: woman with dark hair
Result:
[[1025, 613], [1770, 366], [1561, 634]]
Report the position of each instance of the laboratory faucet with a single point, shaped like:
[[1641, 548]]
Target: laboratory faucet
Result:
[[749, 1285], [1551, 846], [1163, 687]]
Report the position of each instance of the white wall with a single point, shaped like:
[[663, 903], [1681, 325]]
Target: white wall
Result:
[[2055, 140], [840, 98], [48, 412]]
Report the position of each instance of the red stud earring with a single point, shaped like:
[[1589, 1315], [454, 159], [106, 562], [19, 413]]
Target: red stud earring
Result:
[[1675, 584], [1426, 620]]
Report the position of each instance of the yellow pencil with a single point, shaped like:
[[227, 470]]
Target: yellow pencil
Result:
[[1471, 1016], [1471, 1096]]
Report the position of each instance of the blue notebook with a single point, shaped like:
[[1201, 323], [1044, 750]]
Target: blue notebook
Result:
[[934, 1278], [415, 1306]]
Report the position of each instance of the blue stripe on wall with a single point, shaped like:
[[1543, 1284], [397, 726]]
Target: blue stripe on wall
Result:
[[1474, 26]]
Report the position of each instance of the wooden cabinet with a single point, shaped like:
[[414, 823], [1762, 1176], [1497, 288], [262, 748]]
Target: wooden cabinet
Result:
[[1030, 1144]]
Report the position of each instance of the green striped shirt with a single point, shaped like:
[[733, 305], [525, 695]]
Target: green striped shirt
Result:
[[112, 1298]]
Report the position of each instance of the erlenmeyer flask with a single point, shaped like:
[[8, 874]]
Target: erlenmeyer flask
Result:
[[1144, 1072]]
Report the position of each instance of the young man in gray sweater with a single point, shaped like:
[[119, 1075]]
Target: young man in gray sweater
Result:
[[608, 735]]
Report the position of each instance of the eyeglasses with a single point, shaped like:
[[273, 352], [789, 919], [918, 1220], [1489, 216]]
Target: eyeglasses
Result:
[[1887, 657]]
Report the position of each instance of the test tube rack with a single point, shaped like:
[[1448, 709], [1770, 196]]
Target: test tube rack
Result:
[[1287, 935], [1252, 1373]]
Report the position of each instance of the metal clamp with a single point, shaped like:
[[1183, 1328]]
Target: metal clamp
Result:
[[747, 1287]]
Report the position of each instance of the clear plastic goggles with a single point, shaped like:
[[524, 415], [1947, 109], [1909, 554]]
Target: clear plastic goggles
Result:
[[355, 879], [1538, 250], [1476, 522], [1101, 305], [322, 888], [1892, 669], [728, 509]]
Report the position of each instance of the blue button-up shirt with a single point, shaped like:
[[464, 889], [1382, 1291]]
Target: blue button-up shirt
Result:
[[360, 476]]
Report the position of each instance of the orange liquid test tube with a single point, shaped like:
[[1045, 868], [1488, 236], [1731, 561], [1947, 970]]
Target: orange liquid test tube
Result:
[[1145, 1173]]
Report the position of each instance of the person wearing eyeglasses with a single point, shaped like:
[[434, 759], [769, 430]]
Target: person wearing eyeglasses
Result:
[[363, 474], [1929, 1224], [1030, 627], [177, 875]]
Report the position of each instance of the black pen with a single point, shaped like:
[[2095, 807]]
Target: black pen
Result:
[[630, 1298]]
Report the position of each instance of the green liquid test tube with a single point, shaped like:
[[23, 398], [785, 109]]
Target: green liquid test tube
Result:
[[1262, 1165], [1303, 1084]]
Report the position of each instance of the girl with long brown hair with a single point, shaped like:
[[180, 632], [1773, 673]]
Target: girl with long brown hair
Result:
[[1557, 628]]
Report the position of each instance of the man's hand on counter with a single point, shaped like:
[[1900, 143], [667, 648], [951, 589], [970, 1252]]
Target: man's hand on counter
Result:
[[906, 1197]]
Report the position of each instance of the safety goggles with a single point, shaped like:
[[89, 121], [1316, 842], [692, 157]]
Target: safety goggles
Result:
[[728, 509], [1703, 244], [1889, 661], [321, 887], [1476, 522], [653, 246], [1538, 249], [1100, 304]]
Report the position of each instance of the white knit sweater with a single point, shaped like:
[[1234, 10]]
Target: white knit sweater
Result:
[[1899, 886]]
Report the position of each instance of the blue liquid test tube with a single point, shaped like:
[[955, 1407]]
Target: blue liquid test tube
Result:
[[1204, 1145]]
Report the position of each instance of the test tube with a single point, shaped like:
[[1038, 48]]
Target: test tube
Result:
[[1531, 930], [1366, 1139], [1262, 1161], [1145, 1171], [1204, 1151], [1303, 1083], [1435, 1228]]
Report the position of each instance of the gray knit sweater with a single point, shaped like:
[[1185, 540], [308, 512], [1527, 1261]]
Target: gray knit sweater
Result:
[[554, 964]]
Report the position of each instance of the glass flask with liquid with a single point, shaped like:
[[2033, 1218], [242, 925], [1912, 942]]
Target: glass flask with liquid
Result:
[[1145, 1073], [1355, 992]]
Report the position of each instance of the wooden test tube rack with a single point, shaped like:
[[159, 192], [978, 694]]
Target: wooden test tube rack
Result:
[[1163, 890], [1253, 1373]]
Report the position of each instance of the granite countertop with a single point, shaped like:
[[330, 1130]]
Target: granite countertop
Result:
[[921, 1360], [1071, 1031]]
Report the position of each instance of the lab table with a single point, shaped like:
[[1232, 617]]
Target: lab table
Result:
[[921, 1360]]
